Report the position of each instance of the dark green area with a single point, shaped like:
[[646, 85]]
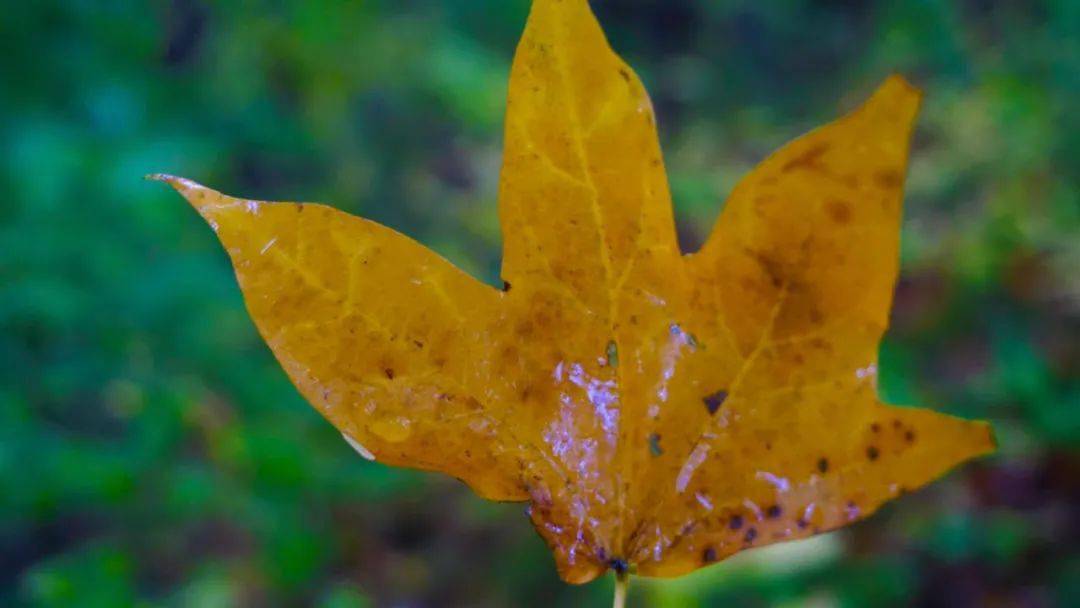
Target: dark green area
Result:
[[152, 453]]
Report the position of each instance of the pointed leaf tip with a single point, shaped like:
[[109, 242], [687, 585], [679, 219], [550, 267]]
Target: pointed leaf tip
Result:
[[900, 83], [195, 193], [560, 3], [991, 443], [896, 97]]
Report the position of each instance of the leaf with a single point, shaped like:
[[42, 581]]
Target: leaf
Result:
[[660, 411]]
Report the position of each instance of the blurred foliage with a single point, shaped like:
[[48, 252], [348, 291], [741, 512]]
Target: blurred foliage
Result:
[[152, 453]]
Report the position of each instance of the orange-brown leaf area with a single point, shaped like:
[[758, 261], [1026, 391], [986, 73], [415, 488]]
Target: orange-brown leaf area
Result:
[[659, 411]]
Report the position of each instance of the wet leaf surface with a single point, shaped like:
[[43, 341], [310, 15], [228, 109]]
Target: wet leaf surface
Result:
[[659, 411]]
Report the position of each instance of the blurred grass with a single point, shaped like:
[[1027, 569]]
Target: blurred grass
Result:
[[152, 453]]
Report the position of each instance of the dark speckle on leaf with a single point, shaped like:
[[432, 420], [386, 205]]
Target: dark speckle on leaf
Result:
[[751, 534], [773, 512], [715, 400], [872, 453], [823, 465], [654, 444], [612, 354], [709, 555], [736, 522]]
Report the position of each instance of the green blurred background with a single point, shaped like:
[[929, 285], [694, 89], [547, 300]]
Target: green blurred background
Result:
[[152, 452]]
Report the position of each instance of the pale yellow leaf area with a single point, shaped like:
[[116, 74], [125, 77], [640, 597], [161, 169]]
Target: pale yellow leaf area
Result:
[[659, 411]]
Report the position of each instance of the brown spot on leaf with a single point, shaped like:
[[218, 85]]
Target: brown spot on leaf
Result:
[[887, 179], [807, 160], [735, 522], [762, 201], [709, 555], [839, 211], [823, 465], [773, 269], [872, 453]]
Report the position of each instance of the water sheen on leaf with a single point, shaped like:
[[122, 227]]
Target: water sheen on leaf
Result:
[[659, 411]]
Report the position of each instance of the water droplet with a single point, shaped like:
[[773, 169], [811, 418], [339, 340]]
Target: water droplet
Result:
[[394, 430]]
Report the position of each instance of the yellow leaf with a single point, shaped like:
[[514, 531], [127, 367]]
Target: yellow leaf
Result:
[[660, 411]]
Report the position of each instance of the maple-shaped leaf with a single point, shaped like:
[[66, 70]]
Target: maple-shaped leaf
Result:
[[659, 411]]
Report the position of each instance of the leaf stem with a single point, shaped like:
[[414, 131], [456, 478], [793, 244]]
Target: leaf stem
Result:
[[622, 583]]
